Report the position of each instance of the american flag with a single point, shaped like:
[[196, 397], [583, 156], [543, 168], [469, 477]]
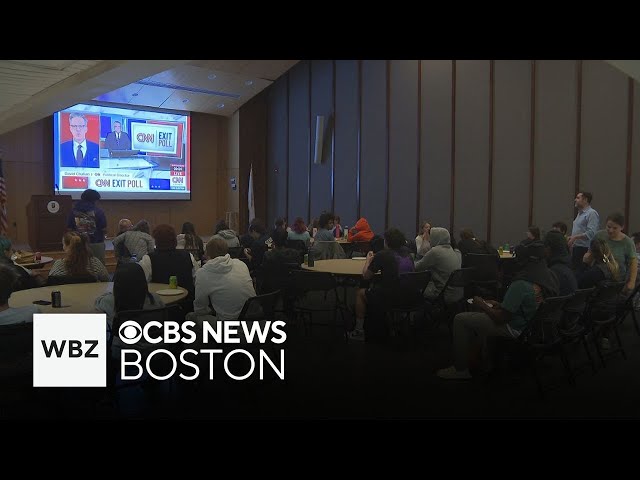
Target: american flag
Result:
[[4, 223]]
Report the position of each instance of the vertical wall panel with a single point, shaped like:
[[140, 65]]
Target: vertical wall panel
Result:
[[277, 151], [634, 203], [321, 104], [604, 136], [512, 134], [435, 161], [346, 138], [374, 144], [403, 146], [299, 141], [555, 142], [472, 146]]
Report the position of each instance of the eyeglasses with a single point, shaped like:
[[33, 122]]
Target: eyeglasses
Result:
[[78, 126]]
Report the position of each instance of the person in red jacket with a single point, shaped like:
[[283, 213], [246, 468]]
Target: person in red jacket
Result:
[[361, 232]]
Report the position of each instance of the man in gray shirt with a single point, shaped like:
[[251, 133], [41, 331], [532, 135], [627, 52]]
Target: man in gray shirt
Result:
[[585, 226]]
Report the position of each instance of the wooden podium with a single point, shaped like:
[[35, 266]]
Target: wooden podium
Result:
[[47, 217]]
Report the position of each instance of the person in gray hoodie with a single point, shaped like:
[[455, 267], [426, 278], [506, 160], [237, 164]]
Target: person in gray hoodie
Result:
[[223, 281], [441, 260], [223, 231]]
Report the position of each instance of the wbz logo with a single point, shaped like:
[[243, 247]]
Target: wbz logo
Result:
[[69, 350]]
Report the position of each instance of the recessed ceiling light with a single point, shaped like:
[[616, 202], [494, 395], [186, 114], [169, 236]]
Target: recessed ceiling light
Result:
[[221, 105], [212, 76], [248, 83], [185, 100]]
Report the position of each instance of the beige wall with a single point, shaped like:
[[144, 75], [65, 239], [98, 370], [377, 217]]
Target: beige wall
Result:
[[28, 170]]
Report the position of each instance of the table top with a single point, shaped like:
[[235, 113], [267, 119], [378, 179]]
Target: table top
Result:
[[43, 261], [79, 297], [346, 267], [506, 255]]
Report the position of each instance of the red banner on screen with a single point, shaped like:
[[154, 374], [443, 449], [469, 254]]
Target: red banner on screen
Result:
[[75, 182]]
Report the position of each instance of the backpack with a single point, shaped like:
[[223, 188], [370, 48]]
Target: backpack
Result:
[[85, 221]]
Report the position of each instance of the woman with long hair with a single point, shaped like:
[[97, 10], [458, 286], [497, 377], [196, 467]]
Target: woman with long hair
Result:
[[191, 241], [622, 248], [130, 292], [603, 266], [78, 259], [299, 231]]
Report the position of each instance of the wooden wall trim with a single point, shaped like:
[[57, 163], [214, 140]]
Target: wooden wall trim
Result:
[[388, 108], [578, 125], [418, 176], [359, 137], [452, 198], [286, 149], [627, 187], [492, 111], [532, 138]]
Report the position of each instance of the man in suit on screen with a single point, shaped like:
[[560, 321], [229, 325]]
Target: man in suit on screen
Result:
[[117, 139], [79, 152]]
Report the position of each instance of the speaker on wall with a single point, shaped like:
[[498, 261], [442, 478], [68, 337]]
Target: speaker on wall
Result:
[[317, 151]]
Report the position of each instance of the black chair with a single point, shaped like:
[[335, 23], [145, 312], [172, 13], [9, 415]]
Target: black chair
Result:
[[538, 339], [361, 248], [601, 316], [440, 308], [170, 312], [299, 245], [16, 359], [70, 279], [572, 328], [236, 252], [628, 308], [412, 284], [305, 282], [485, 275]]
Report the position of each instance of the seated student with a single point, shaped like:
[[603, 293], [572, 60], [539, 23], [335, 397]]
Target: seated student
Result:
[[8, 315], [361, 232], [223, 231], [165, 261], [223, 283], [442, 259], [560, 227], [337, 228], [130, 292], [392, 261], [25, 278], [533, 283], [423, 243], [247, 239], [533, 235], [78, 259], [299, 232], [136, 241], [324, 233], [258, 246], [190, 241], [622, 248], [559, 261], [279, 224], [277, 261], [470, 244], [602, 266]]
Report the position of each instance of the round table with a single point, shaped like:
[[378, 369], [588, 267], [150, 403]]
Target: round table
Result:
[[31, 266], [348, 267], [80, 297]]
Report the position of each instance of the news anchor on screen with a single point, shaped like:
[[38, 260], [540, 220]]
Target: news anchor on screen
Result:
[[79, 152], [117, 139]]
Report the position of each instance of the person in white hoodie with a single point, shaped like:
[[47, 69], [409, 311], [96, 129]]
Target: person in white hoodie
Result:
[[223, 231], [222, 281]]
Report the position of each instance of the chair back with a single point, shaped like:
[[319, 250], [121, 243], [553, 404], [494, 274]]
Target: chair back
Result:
[[299, 245], [16, 344], [69, 279], [304, 281], [485, 265], [575, 307], [260, 307], [326, 250], [543, 326], [236, 252], [415, 280]]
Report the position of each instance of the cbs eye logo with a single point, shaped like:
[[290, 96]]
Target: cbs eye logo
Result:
[[130, 332]]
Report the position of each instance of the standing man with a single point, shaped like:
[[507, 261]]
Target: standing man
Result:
[[87, 218], [585, 226], [117, 139], [79, 152]]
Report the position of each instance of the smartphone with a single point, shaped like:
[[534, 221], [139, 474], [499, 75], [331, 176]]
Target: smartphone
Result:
[[41, 302]]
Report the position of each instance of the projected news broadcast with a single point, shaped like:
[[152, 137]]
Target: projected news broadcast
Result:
[[124, 154]]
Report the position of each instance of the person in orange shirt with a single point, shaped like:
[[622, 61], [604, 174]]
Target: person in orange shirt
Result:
[[361, 232]]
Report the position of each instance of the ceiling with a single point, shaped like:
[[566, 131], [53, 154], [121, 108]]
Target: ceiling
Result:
[[33, 89]]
